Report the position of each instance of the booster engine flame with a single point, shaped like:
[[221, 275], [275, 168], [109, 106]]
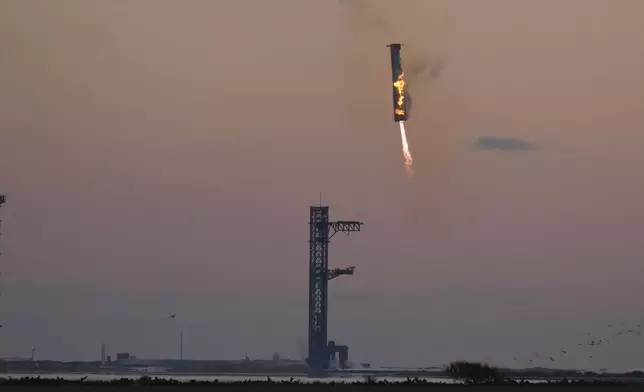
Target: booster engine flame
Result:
[[405, 145], [400, 85]]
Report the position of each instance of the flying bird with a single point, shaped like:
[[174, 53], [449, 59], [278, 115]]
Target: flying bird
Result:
[[172, 316]]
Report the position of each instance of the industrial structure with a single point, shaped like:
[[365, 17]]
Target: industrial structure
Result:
[[3, 199], [401, 99], [321, 229]]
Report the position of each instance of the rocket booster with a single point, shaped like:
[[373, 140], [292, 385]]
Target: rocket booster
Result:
[[398, 84]]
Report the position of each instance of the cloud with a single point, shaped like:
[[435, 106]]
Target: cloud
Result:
[[504, 144]]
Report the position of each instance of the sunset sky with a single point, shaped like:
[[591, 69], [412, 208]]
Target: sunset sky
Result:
[[159, 156]]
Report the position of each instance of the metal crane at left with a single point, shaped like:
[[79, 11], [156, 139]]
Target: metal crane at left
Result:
[[3, 200]]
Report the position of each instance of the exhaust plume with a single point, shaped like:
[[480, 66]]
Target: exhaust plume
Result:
[[405, 145]]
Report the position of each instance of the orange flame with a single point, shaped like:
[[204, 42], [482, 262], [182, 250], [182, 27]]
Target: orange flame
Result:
[[400, 84]]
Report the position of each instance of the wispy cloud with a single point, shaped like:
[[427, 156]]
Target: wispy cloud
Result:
[[504, 144]]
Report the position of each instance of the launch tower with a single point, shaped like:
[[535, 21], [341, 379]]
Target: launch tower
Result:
[[3, 199], [321, 229]]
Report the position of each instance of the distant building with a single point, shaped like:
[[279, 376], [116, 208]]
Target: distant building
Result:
[[122, 357]]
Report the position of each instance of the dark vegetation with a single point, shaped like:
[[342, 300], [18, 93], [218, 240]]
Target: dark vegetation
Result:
[[474, 373], [258, 367], [488, 377]]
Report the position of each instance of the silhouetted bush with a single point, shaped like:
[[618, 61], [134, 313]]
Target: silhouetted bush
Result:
[[473, 373], [370, 380]]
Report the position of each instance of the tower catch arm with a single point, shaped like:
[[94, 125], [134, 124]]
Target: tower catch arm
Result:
[[335, 272], [346, 227]]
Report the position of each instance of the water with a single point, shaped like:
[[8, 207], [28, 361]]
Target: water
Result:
[[220, 378]]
